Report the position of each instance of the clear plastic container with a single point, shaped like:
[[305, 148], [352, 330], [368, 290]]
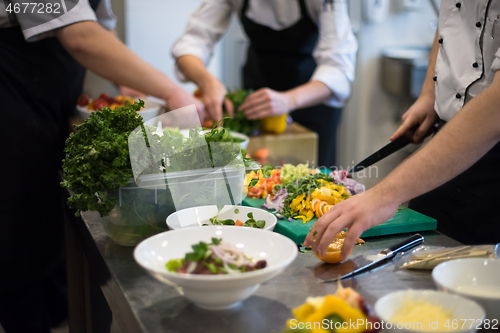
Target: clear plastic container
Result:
[[141, 211]]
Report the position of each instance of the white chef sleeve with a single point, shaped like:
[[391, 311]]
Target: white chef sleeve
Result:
[[36, 26], [205, 27], [335, 52]]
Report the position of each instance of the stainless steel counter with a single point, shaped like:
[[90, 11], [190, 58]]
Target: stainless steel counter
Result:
[[141, 304]]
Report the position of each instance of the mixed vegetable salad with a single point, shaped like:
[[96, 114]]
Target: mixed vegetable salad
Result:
[[104, 100], [214, 258], [298, 192], [251, 222]]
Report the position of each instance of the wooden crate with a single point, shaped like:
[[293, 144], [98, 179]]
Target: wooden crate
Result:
[[296, 145]]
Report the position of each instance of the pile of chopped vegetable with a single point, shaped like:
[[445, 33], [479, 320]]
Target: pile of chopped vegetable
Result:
[[301, 193], [214, 258]]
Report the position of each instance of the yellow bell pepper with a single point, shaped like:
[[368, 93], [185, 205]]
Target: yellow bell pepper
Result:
[[337, 310], [274, 124], [332, 197], [297, 202], [303, 311], [305, 217]]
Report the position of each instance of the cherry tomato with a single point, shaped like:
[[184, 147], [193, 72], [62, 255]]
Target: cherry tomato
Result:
[[104, 97], [198, 93], [83, 100], [254, 192], [99, 103]]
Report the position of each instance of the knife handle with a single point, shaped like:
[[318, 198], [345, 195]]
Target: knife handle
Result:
[[404, 245]]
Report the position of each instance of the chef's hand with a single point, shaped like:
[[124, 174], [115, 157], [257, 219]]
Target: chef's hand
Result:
[[179, 98], [214, 96], [421, 113], [266, 102], [361, 212]]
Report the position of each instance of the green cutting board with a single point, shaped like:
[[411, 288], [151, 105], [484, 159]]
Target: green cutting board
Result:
[[405, 220]]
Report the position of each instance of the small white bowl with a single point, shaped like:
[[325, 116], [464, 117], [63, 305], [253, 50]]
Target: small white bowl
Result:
[[474, 278], [460, 308], [216, 292], [197, 216], [151, 109]]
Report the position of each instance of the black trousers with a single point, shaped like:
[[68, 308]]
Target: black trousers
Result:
[[323, 120], [37, 307], [466, 208]]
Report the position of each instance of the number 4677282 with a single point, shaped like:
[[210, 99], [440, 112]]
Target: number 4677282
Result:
[[34, 8]]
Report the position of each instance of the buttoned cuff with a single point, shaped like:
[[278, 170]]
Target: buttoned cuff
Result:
[[336, 81]]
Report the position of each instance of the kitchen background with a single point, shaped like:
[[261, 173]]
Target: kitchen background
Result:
[[151, 27]]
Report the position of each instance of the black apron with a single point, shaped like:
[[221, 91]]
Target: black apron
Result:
[[282, 60], [39, 85], [466, 207]]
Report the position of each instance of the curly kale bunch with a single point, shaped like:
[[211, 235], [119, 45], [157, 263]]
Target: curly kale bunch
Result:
[[97, 157]]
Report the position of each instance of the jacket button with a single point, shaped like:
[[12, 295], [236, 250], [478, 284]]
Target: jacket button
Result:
[[435, 78], [440, 41], [475, 65], [458, 5], [458, 96], [478, 24]]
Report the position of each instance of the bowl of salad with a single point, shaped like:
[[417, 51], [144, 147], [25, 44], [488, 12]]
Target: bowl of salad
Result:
[[215, 267], [86, 105], [239, 216]]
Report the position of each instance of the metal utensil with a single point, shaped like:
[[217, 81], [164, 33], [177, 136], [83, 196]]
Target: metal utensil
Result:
[[392, 147], [382, 153], [388, 253]]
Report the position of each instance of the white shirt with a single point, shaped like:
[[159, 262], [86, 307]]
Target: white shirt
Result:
[[466, 28], [335, 51], [82, 11]]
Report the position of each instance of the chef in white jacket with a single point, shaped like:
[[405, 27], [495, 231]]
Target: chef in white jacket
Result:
[[300, 61], [460, 165]]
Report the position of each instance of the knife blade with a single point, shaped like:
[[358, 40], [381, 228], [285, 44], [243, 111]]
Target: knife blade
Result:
[[388, 253], [392, 147], [382, 153]]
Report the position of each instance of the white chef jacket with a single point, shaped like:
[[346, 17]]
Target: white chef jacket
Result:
[[335, 51], [81, 12], [468, 56]]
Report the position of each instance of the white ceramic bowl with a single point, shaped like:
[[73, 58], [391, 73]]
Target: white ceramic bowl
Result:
[[151, 109], [197, 216], [460, 308], [474, 278], [216, 292]]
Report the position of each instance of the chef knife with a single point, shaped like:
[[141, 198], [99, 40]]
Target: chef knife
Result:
[[392, 147], [388, 253], [382, 153]]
